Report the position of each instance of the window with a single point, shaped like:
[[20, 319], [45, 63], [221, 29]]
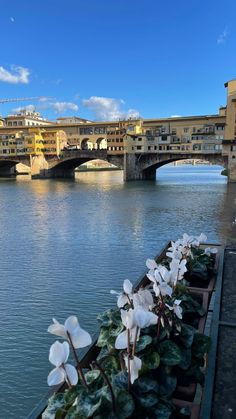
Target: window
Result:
[[139, 147], [186, 129]]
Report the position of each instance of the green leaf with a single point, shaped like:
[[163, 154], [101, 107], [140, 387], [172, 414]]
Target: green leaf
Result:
[[103, 337], [55, 403], [186, 335], [143, 342], [201, 345], [163, 411], [120, 380], [124, 404], [117, 330], [91, 376], [186, 358], [151, 361], [148, 400], [144, 385], [89, 403], [111, 365], [105, 319], [170, 353], [167, 382]]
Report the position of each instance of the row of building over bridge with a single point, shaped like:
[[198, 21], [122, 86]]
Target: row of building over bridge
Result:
[[138, 146]]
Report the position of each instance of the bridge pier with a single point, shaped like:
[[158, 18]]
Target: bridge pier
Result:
[[131, 167]]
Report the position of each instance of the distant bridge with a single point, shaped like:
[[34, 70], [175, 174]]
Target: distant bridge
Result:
[[136, 166]]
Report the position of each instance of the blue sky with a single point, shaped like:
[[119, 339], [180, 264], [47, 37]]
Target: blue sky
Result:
[[106, 59]]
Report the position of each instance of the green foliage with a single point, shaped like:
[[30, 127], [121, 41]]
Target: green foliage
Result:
[[170, 353]]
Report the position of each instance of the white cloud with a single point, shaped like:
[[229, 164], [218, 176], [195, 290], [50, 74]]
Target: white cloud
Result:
[[176, 116], [222, 37], [17, 75], [44, 104], [30, 108], [60, 107], [109, 109]]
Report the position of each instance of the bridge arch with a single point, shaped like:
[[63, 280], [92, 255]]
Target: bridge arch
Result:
[[86, 144], [8, 167], [144, 166], [64, 167], [101, 143], [149, 172]]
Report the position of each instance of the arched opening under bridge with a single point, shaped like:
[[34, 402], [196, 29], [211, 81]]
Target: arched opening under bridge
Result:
[[101, 144], [187, 168]]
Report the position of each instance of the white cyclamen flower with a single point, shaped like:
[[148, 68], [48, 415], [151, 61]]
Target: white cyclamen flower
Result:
[[178, 269], [128, 321], [79, 337], [126, 296], [143, 298], [144, 318], [58, 356], [135, 366], [176, 308]]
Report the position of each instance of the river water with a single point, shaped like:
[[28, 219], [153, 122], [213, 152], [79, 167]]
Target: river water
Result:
[[65, 244]]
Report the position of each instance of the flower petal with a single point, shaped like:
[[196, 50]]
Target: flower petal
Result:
[[144, 318], [71, 374], [151, 264], [80, 338], [135, 366], [122, 340], [56, 376], [122, 300], [58, 330], [127, 286], [58, 353], [71, 324]]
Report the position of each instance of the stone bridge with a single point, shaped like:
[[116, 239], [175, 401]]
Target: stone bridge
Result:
[[136, 166]]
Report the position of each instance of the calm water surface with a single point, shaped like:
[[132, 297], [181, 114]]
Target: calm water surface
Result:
[[65, 244]]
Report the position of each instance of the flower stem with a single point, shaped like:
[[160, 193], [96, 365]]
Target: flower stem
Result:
[[129, 372], [135, 340], [108, 383], [79, 368]]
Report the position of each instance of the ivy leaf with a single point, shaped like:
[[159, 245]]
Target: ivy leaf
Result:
[[186, 335], [55, 403], [91, 376], [124, 404], [151, 361], [144, 385], [120, 380], [201, 345], [170, 353], [148, 400], [143, 341], [163, 411], [186, 359], [103, 337], [116, 331], [104, 318], [167, 382]]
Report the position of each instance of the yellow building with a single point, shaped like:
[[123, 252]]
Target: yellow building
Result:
[[33, 142], [53, 142]]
